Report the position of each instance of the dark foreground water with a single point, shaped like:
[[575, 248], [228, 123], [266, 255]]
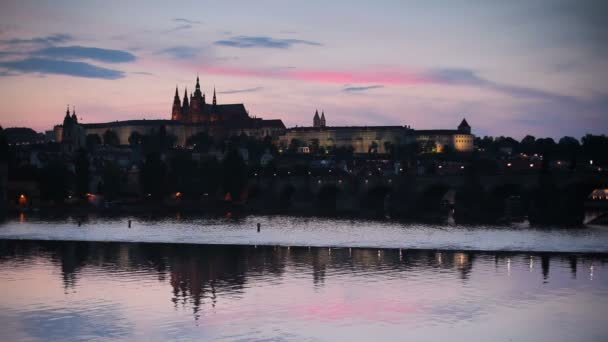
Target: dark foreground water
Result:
[[60, 291]]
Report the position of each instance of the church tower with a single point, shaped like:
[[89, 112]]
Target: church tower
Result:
[[322, 121], [316, 121], [176, 111], [196, 104], [185, 107]]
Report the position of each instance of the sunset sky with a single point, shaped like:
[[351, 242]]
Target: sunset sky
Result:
[[509, 67]]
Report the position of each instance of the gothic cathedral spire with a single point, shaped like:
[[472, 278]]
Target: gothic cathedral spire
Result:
[[316, 121], [214, 98], [176, 111], [322, 121]]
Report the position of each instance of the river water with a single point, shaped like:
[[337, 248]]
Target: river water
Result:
[[228, 282], [303, 231]]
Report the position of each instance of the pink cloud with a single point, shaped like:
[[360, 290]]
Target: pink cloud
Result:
[[380, 75]]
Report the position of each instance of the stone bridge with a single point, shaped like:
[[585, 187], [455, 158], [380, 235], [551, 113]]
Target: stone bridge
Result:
[[379, 193]]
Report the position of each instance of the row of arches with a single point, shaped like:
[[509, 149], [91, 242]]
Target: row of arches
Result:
[[436, 201]]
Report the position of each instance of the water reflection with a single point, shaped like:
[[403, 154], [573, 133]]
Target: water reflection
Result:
[[242, 284]]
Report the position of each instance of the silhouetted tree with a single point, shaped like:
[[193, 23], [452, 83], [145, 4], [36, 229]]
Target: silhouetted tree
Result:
[[92, 141], [83, 175], [136, 138], [111, 180], [211, 176], [527, 144], [182, 172], [154, 176], [110, 138], [3, 146], [54, 181], [594, 148], [234, 172], [200, 141]]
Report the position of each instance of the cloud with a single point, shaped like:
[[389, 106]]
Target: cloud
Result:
[[142, 73], [263, 42], [397, 76], [364, 88], [180, 52], [83, 52], [237, 91], [373, 76], [470, 78], [184, 24], [59, 67], [187, 21], [52, 39]]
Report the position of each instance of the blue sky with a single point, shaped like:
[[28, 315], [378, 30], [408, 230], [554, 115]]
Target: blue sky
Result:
[[511, 68]]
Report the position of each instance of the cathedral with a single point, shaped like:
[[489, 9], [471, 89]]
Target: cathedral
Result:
[[189, 116], [195, 109]]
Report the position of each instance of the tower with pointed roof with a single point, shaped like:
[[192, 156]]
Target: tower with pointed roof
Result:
[[185, 110], [316, 121], [322, 120], [197, 105], [464, 127], [72, 134], [74, 117], [176, 111]]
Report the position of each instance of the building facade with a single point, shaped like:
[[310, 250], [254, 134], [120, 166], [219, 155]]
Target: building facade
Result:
[[188, 117], [379, 139], [191, 115]]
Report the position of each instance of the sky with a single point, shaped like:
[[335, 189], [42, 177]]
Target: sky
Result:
[[510, 68]]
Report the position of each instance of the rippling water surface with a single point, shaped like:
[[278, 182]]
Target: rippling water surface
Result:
[[51, 290], [298, 231]]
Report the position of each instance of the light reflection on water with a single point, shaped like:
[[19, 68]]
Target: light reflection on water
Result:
[[301, 231], [86, 290]]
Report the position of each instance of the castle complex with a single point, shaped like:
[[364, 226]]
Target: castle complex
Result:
[[188, 118], [192, 114]]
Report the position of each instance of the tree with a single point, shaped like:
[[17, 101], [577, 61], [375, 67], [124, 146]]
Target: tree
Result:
[[182, 172], [135, 138], [200, 141], [110, 138], [594, 148], [92, 141], [569, 144], [293, 145], [545, 146], [3, 146], [389, 148], [527, 144], [83, 175], [234, 172], [111, 176], [211, 175], [373, 148], [53, 181], [154, 176]]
